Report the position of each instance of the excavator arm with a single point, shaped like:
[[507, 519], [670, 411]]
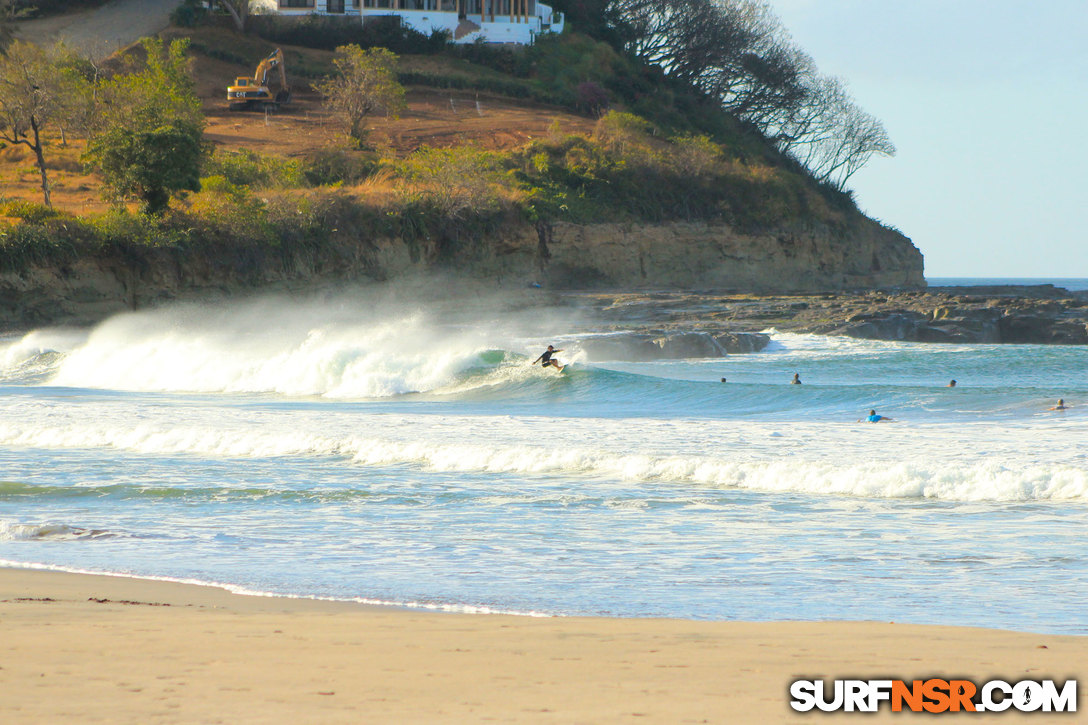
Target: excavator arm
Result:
[[272, 61]]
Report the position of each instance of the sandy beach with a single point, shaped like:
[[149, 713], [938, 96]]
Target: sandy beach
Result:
[[83, 649]]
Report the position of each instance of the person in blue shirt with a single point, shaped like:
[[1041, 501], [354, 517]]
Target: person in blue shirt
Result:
[[874, 418]]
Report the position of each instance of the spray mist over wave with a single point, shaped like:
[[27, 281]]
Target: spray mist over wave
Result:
[[348, 346]]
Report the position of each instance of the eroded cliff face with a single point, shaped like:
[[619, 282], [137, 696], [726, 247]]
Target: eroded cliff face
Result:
[[686, 256], [559, 256]]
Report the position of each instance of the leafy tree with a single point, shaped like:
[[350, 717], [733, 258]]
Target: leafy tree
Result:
[[365, 82], [81, 74], [592, 17], [149, 141], [239, 11], [36, 92]]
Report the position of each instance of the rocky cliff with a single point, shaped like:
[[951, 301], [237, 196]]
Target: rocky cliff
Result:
[[685, 256], [559, 256]]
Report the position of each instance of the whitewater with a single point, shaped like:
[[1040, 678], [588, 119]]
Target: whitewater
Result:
[[403, 450]]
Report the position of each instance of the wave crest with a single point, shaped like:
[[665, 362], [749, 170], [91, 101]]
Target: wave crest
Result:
[[50, 532], [949, 480]]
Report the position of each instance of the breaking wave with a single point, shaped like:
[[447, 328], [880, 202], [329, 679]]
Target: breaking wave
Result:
[[50, 532], [945, 480]]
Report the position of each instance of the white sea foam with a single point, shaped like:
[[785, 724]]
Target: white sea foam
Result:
[[520, 449]]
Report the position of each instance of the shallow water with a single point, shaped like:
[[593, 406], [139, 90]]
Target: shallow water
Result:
[[407, 453]]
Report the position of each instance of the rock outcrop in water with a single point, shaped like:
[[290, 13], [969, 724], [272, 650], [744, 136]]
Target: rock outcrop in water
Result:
[[664, 345], [1039, 314]]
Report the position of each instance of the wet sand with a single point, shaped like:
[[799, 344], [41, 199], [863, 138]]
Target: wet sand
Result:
[[88, 649]]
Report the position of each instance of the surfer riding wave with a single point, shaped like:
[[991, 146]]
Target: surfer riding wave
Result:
[[545, 359]]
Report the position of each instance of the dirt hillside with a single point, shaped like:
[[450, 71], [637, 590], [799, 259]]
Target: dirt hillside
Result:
[[435, 117]]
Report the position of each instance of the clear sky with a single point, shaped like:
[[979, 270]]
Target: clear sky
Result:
[[987, 104]]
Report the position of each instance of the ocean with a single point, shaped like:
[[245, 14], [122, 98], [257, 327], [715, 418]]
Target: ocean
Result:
[[373, 448], [1073, 284]]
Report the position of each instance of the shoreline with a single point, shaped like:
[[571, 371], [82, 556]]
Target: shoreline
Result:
[[100, 648], [233, 592]]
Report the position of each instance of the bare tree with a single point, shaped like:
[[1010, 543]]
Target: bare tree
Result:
[[739, 53], [689, 39], [733, 50], [34, 92], [861, 136], [831, 135]]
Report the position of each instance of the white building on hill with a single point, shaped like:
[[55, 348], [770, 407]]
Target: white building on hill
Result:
[[495, 21]]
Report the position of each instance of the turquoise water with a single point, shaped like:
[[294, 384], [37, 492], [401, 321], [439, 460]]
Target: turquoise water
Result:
[[407, 453]]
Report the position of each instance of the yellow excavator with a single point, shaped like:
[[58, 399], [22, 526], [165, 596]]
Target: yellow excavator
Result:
[[250, 92]]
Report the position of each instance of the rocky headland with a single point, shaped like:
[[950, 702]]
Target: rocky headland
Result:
[[799, 280], [557, 256]]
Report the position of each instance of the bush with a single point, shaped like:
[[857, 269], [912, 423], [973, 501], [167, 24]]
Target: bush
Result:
[[25, 245], [57, 241], [120, 228], [329, 167], [695, 155], [454, 181], [591, 98], [257, 171], [510, 61], [29, 211], [622, 132]]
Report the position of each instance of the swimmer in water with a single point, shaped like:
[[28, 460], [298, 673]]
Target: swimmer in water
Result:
[[951, 383], [874, 418], [796, 379], [545, 359], [1060, 406]]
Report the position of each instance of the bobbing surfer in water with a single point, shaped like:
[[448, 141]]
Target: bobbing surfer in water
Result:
[[545, 359]]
